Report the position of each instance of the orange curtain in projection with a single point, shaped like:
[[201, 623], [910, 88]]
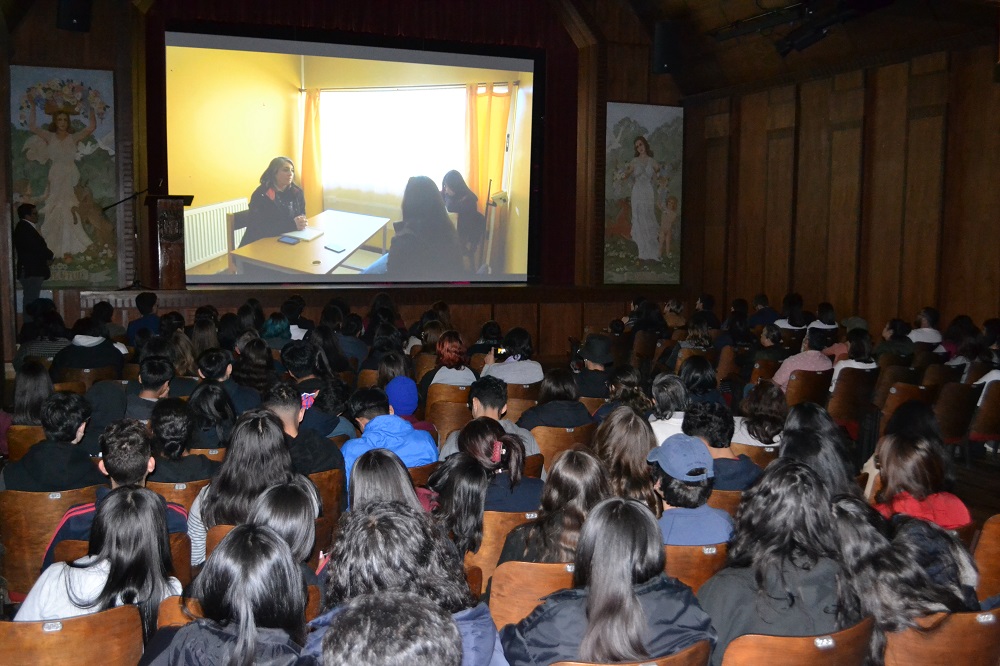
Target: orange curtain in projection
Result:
[[489, 110], [310, 171]]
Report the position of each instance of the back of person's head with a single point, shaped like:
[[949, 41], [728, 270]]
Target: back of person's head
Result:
[[451, 350], [491, 392], [299, 358], [931, 317], [818, 338], [393, 364], [698, 375], [256, 459], [62, 415], [353, 325], [380, 476], [783, 521], [898, 329], [684, 470], [625, 387], [332, 316], [810, 416], [213, 363], [367, 403], [282, 399], [909, 463], [760, 301], [403, 396], [825, 314], [826, 454], [491, 332], [392, 629], [765, 411], [210, 407], [154, 372], [461, 483], [332, 396], [739, 328], [252, 581], [859, 345], [711, 422], [103, 312], [204, 335], [145, 302], [276, 326], [493, 447], [620, 547], [387, 338], [130, 533], [170, 323], [172, 425], [622, 442], [292, 310], [698, 330], [125, 451], [518, 343], [229, 329], [707, 302], [772, 333], [430, 333], [394, 547], [558, 384], [52, 325], [32, 386], [670, 396], [290, 509], [87, 326]]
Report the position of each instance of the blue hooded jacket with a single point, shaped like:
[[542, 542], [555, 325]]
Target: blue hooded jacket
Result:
[[414, 447]]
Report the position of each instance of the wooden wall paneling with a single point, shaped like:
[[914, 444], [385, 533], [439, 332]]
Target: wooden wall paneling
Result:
[[694, 200], [468, 320], [885, 173], [781, 188], [557, 323], [525, 315], [599, 315], [628, 80], [747, 230], [717, 204], [970, 267], [8, 217]]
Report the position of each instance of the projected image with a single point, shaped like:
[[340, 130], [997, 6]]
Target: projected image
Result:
[[329, 163]]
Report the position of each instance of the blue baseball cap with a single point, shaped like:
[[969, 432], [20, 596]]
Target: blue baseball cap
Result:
[[684, 458]]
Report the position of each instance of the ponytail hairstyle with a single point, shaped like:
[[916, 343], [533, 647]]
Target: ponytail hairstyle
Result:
[[251, 580], [493, 448], [461, 483], [172, 425], [210, 407], [625, 387], [620, 547], [130, 533]]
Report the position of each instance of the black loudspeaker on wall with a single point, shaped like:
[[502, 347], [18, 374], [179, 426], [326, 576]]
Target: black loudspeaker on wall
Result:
[[666, 48], [73, 15]]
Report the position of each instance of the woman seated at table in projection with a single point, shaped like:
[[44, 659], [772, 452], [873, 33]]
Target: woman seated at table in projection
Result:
[[278, 205]]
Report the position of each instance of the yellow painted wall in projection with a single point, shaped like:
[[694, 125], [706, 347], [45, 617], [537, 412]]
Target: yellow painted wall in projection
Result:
[[228, 114], [520, 185]]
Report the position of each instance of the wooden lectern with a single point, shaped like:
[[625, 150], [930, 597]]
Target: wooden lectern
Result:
[[168, 211]]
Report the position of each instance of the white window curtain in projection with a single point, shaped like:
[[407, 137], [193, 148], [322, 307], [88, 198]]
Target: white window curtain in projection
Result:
[[374, 140]]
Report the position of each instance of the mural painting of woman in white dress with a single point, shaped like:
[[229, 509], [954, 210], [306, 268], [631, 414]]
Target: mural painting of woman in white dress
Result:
[[63, 162], [643, 194]]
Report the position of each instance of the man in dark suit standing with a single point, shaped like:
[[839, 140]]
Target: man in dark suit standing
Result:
[[33, 255]]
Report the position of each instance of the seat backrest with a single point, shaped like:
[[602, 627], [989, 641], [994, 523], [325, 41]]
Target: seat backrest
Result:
[[496, 526], [852, 394], [954, 407], [20, 438], [761, 455], [518, 588], [791, 338], [727, 363], [695, 655], [644, 345], [323, 532], [172, 613], [888, 359], [684, 354], [693, 565], [367, 378], [27, 523], [118, 634], [726, 500], [552, 441], [939, 374], [448, 417], [350, 378], [808, 386], [69, 550], [986, 423], [842, 648], [422, 364], [130, 372], [899, 394], [976, 371], [887, 377], [533, 466], [218, 455], [314, 602], [420, 475], [523, 391], [179, 493], [987, 556], [446, 393], [956, 638], [516, 407], [70, 387], [763, 369], [592, 404], [474, 579], [88, 376], [330, 484]]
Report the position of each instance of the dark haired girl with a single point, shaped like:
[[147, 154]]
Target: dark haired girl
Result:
[[764, 413], [625, 389], [173, 426], [380, 476], [558, 405], [458, 198], [622, 443], [278, 205], [212, 414]]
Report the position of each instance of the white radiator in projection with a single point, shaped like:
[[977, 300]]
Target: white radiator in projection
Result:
[[205, 231]]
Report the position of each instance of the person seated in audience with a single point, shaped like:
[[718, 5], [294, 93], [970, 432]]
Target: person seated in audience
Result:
[[558, 403], [700, 380], [622, 443], [625, 390], [770, 348], [451, 368], [782, 569], [913, 480], [622, 606], [395, 547], [253, 603], [840, 350], [811, 358], [212, 415], [387, 339], [291, 310], [128, 562], [329, 356], [332, 400], [104, 313], [826, 318], [735, 332], [380, 476], [763, 314], [895, 340], [257, 458], [276, 331], [393, 364], [673, 313], [403, 398], [926, 327], [898, 574], [254, 367], [859, 355], [145, 303], [713, 424], [204, 335], [381, 429], [517, 367], [764, 413], [670, 400], [170, 323], [349, 337], [421, 632], [299, 359], [792, 316], [32, 386], [487, 474], [217, 365], [416, 330], [178, 353], [488, 397], [683, 476], [155, 374], [706, 306], [56, 463], [915, 419], [698, 337], [311, 452], [46, 339], [490, 336], [577, 481], [812, 437], [172, 424], [649, 319], [960, 332], [592, 380], [87, 349], [291, 510], [127, 461]]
